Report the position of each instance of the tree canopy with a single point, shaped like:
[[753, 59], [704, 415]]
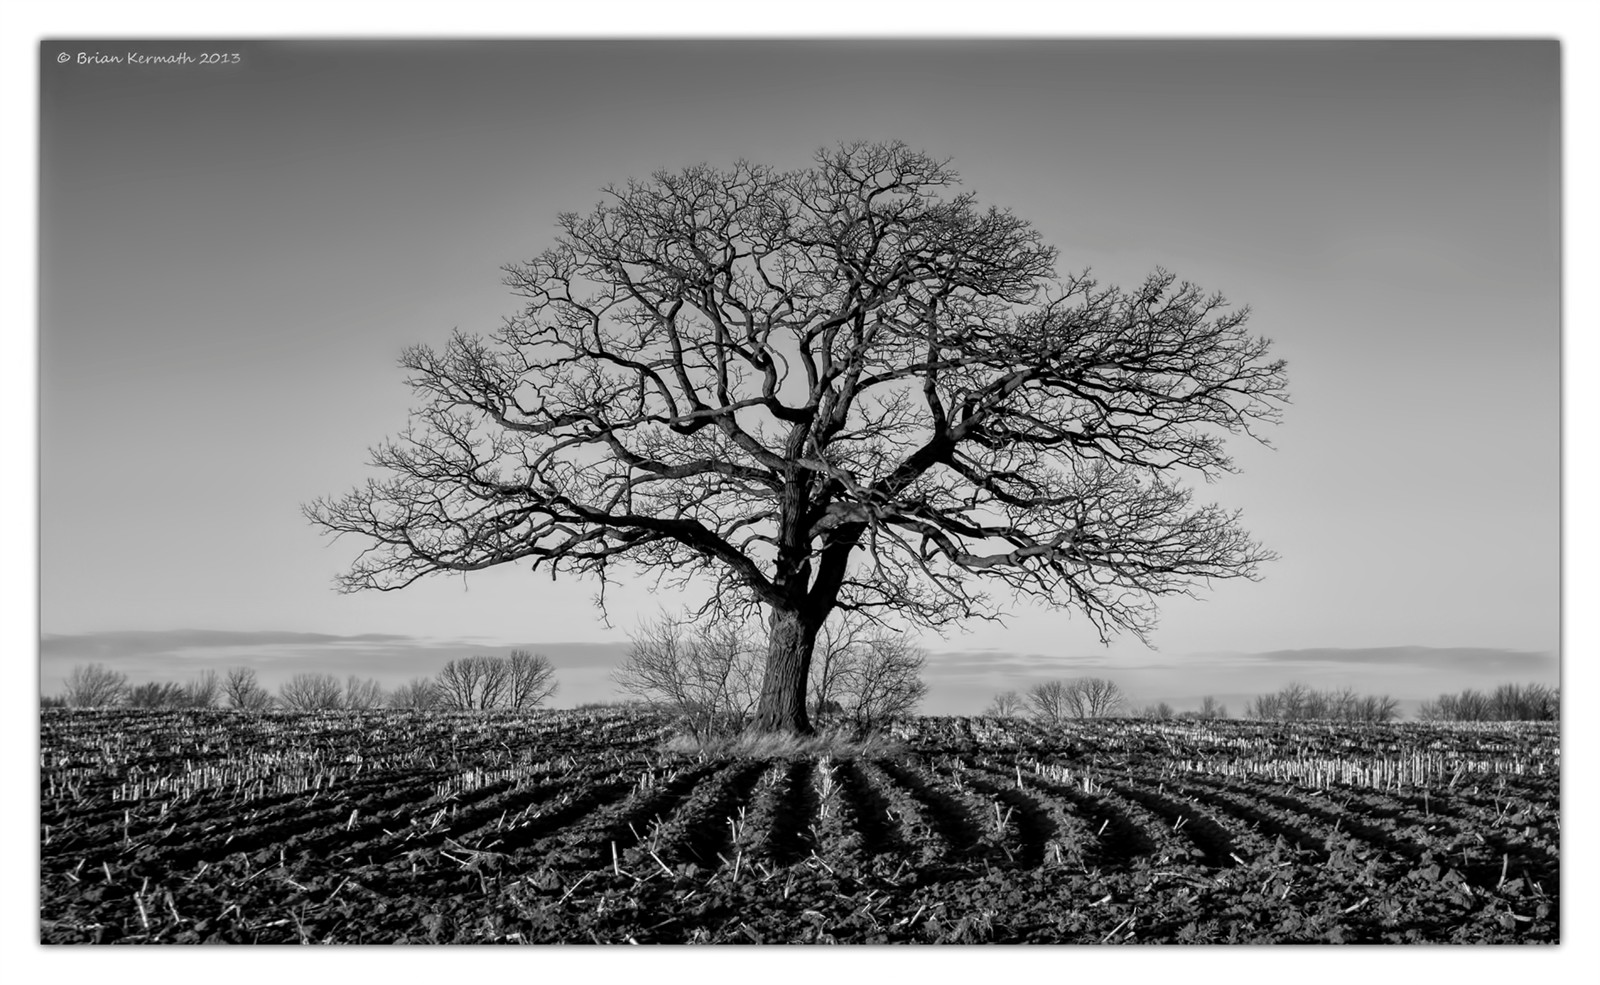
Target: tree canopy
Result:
[[843, 387]]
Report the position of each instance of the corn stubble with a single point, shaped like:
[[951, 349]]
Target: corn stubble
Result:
[[602, 826]]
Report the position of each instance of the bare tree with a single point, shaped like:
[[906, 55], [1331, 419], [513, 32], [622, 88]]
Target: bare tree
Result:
[[1210, 708], [706, 673], [530, 680], [459, 684], [883, 681], [1470, 706], [1524, 703], [203, 691], [244, 692], [1288, 704], [1298, 703], [1376, 708], [95, 686], [360, 695], [495, 682], [838, 643], [1506, 703], [1081, 697], [846, 387], [1006, 704], [155, 694], [1097, 697], [311, 692], [1050, 701], [419, 694], [474, 683], [1159, 711]]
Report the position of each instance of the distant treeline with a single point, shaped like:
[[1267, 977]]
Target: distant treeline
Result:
[[521, 681], [1095, 697], [1506, 703], [525, 680], [1298, 703]]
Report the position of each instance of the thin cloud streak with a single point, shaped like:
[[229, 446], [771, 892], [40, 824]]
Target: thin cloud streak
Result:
[[162, 641]]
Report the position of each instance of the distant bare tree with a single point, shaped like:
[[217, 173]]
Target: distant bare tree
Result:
[[1345, 705], [836, 645], [496, 682], [95, 686], [311, 692], [1006, 704], [419, 694], [1470, 706], [460, 684], [1157, 712], [1098, 697], [1265, 707], [360, 695], [1525, 703], [1298, 703], [883, 681], [474, 683], [155, 694], [244, 692], [1376, 708], [1049, 701], [1081, 697], [1507, 703], [1209, 710], [203, 691], [708, 674], [745, 646], [530, 680], [1287, 705]]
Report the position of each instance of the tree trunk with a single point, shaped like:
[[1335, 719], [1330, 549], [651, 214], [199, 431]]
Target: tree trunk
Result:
[[782, 707]]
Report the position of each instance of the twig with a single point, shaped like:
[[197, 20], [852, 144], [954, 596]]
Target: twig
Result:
[[663, 865], [574, 888], [1118, 927]]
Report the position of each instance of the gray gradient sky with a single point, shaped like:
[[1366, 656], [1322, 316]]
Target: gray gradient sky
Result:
[[232, 259]]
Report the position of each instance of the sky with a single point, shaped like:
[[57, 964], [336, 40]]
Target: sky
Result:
[[232, 257], [265, 556]]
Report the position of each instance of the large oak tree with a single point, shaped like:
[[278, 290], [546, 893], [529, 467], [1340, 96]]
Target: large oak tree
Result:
[[846, 387]]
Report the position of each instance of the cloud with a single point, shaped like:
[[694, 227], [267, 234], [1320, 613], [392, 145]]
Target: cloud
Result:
[[1479, 659], [120, 642], [960, 662]]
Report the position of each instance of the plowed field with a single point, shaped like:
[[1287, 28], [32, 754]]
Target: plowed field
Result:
[[188, 827]]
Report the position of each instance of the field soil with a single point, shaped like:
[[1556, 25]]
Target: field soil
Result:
[[376, 827]]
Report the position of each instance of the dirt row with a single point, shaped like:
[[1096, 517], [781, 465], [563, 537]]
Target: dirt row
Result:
[[580, 827], [401, 851]]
